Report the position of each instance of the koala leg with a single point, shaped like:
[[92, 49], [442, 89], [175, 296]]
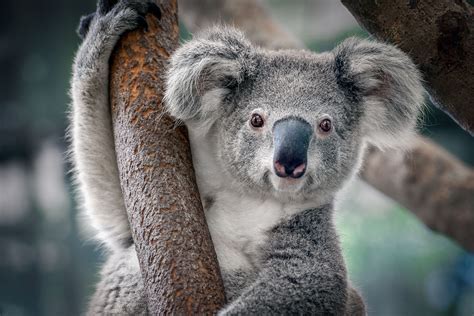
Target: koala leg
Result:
[[120, 290], [92, 147]]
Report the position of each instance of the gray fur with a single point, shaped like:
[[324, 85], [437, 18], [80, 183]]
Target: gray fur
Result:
[[92, 149], [120, 290], [275, 240]]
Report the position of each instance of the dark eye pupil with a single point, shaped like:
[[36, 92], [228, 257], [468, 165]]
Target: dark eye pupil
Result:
[[325, 125], [256, 120]]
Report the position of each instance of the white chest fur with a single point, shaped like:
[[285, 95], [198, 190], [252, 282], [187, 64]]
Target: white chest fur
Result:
[[238, 226], [237, 223]]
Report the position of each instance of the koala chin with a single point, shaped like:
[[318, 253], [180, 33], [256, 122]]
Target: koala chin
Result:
[[275, 135]]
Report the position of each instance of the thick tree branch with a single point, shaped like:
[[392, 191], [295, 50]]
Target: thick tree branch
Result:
[[175, 251], [439, 36], [435, 186]]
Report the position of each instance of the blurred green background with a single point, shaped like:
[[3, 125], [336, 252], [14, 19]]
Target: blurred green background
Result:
[[48, 268]]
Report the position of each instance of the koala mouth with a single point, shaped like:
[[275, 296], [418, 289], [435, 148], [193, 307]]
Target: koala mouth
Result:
[[287, 184]]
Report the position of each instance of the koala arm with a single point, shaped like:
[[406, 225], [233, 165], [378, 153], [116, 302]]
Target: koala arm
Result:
[[91, 133], [120, 290], [303, 272]]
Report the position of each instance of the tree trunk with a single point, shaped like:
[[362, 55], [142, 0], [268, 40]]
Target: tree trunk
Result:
[[439, 36], [175, 251], [432, 184]]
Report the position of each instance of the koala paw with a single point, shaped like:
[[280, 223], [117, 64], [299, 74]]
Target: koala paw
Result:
[[84, 25], [116, 17]]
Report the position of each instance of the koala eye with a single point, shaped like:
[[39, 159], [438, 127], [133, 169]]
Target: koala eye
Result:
[[256, 120], [325, 125]]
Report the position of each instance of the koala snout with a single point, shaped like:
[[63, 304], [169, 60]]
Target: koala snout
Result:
[[291, 138]]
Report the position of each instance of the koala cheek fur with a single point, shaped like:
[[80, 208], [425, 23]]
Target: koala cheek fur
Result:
[[276, 243]]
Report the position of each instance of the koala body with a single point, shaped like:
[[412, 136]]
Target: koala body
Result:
[[275, 135]]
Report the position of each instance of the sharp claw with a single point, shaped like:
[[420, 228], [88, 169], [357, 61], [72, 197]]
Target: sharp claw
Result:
[[84, 25], [155, 10], [142, 22], [104, 6]]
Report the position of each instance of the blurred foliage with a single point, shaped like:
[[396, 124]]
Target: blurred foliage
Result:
[[47, 269], [321, 45], [404, 269]]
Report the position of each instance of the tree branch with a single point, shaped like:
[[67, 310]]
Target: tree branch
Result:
[[175, 251], [439, 36], [443, 200], [434, 185]]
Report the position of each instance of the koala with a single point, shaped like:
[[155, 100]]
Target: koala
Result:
[[275, 136]]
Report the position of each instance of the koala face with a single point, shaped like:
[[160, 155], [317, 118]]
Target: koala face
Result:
[[286, 130], [292, 124]]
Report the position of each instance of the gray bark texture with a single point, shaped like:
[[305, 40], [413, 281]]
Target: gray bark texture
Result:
[[439, 36], [175, 251], [431, 183]]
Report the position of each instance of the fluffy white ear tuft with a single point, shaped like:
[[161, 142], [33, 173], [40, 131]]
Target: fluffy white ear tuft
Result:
[[204, 71], [388, 85]]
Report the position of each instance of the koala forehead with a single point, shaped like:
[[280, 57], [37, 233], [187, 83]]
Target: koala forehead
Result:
[[294, 83]]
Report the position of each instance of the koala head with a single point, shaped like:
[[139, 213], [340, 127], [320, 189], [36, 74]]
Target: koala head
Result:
[[292, 124]]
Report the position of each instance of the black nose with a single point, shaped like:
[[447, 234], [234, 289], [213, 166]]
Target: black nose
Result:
[[291, 137], [293, 169]]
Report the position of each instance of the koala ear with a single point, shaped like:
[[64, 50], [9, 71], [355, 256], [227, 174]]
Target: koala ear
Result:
[[205, 71], [386, 84]]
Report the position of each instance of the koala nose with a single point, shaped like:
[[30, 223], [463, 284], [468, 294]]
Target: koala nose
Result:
[[291, 138], [292, 169]]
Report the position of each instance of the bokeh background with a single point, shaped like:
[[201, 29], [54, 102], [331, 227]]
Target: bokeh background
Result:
[[48, 268]]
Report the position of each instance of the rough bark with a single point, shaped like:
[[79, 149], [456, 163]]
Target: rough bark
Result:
[[439, 36], [449, 211], [175, 251]]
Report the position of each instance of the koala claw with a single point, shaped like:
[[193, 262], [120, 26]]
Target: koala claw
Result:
[[104, 6], [115, 8], [150, 7], [84, 24], [154, 9], [142, 23], [141, 6]]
